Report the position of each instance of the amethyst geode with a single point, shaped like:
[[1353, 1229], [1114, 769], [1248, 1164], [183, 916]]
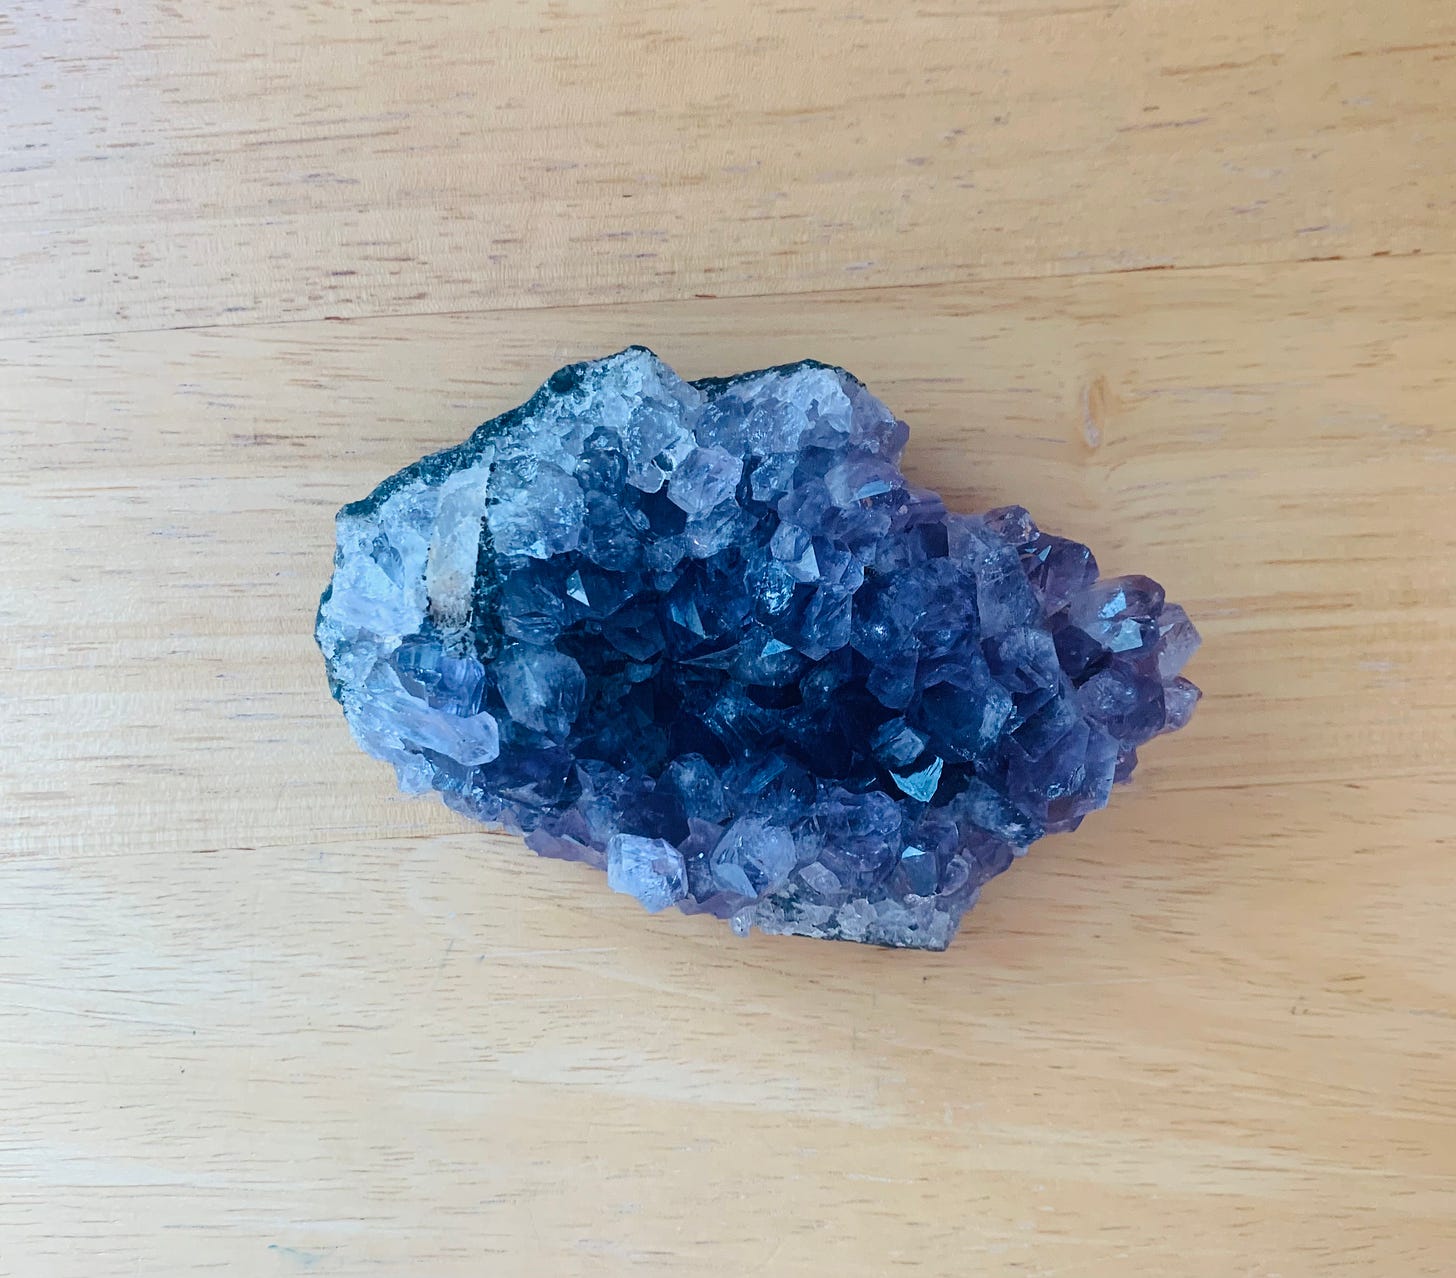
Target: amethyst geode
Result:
[[705, 636]]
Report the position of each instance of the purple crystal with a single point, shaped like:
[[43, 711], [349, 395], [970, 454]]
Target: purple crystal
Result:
[[705, 636]]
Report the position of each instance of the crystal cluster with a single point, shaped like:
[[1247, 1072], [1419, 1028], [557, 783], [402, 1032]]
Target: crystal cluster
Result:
[[706, 636]]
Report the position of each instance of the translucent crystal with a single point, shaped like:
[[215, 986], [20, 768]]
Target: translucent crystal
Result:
[[706, 637], [652, 870]]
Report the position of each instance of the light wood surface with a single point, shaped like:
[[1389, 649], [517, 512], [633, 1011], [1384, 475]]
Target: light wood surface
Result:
[[263, 1015]]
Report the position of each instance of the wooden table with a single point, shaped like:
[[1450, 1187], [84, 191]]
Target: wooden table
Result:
[[1181, 277]]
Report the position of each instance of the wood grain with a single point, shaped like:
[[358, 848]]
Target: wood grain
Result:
[[199, 164], [263, 1015]]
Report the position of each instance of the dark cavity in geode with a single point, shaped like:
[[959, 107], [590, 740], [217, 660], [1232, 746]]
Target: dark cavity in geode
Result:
[[706, 636]]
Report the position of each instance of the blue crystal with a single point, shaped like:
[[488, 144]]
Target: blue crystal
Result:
[[706, 637], [652, 870], [922, 782], [753, 858], [921, 874]]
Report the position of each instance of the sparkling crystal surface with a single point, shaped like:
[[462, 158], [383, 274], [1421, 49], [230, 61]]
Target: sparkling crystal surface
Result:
[[705, 636]]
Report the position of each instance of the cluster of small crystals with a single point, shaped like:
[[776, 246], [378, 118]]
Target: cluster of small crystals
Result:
[[706, 636]]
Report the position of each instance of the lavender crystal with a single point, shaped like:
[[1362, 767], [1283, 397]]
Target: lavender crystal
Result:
[[706, 636]]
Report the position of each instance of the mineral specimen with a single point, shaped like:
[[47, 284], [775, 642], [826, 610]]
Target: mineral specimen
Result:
[[707, 637]]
